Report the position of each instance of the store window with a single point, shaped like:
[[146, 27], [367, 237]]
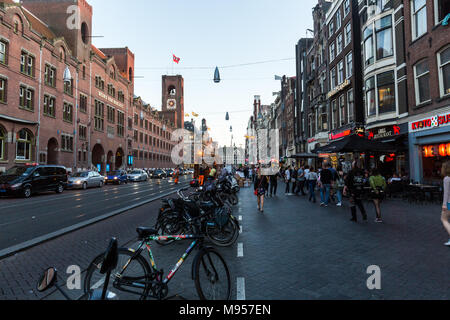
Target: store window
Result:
[[370, 97], [433, 157], [419, 18], [383, 30], [23, 145], [443, 58], [422, 81], [386, 92]]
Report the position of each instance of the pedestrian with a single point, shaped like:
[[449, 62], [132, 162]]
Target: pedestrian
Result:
[[354, 186], [326, 180], [301, 180], [246, 173], [340, 184], [311, 179], [294, 176], [212, 173], [260, 187], [176, 175], [445, 216], [287, 180], [201, 177], [377, 191], [274, 184]]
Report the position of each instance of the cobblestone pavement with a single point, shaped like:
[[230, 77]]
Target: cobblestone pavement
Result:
[[295, 250]]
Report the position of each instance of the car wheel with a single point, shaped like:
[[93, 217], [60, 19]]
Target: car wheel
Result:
[[27, 192], [101, 184], [60, 188], [84, 185]]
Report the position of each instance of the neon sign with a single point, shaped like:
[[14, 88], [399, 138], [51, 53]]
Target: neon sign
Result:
[[432, 151]]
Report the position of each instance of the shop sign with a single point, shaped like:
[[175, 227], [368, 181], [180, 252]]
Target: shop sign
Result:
[[430, 123], [334, 136], [432, 151], [338, 88], [384, 132]]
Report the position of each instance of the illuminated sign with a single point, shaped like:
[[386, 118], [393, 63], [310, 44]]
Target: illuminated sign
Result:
[[334, 136], [384, 132], [430, 123], [437, 150], [338, 88]]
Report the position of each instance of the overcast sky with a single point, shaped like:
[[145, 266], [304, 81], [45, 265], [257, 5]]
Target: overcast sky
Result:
[[206, 34]]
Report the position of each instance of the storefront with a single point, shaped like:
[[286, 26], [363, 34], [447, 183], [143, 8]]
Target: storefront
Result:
[[429, 147], [397, 162]]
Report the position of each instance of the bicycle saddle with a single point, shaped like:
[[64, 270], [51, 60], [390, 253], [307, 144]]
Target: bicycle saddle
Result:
[[146, 232]]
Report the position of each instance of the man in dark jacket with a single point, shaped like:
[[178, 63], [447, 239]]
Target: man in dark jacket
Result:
[[354, 187], [326, 179]]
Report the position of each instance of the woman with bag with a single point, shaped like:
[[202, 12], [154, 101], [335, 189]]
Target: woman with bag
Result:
[[377, 191], [260, 188], [445, 216]]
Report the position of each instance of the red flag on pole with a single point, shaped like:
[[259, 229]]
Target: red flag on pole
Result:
[[176, 59]]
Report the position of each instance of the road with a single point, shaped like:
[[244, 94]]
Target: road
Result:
[[22, 220]]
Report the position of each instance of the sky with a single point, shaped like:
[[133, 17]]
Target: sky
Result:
[[206, 34]]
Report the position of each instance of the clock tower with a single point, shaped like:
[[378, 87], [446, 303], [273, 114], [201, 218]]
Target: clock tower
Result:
[[173, 99]]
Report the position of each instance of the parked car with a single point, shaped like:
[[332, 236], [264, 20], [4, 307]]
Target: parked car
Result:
[[159, 174], [85, 179], [137, 175], [116, 177], [29, 179]]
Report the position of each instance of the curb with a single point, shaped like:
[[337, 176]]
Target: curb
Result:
[[50, 236]]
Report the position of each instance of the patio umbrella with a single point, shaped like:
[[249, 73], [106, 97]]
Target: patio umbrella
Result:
[[355, 143]]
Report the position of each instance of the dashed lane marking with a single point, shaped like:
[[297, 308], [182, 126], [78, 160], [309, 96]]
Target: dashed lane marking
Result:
[[240, 295], [240, 251]]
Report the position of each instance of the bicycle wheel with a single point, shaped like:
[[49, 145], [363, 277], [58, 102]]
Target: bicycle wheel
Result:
[[138, 267], [212, 277], [234, 199], [223, 236]]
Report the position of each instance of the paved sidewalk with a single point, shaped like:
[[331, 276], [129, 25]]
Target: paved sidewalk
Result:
[[298, 250]]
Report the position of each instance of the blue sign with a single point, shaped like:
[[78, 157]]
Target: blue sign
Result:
[[99, 167], [130, 160], [108, 167]]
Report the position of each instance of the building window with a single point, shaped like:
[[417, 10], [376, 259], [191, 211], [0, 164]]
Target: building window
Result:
[[27, 64], [3, 90], [332, 78], [332, 52], [82, 132], [68, 87], [66, 143], [349, 64], [386, 92], [350, 104], [422, 84], [338, 19], [330, 29], [121, 96], [26, 98], [347, 34], [2, 144], [136, 119], [342, 110], [111, 114], [370, 97], [368, 46], [130, 123], [441, 9], [419, 18], [3, 52], [99, 83], [383, 29], [135, 136], [49, 106], [341, 72], [50, 76], [323, 119], [23, 145], [99, 118], [111, 90], [443, 58], [339, 43], [120, 124], [334, 114], [346, 7], [83, 103], [67, 112]]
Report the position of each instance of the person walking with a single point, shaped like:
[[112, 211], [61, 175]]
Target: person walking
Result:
[[301, 181], [294, 176], [274, 184], [340, 184], [287, 179], [354, 186], [260, 188], [445, 216], [176, 175], [377, 191], [311, 178], [326, 179]]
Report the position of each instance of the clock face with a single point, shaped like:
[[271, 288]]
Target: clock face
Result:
[[171, 104]]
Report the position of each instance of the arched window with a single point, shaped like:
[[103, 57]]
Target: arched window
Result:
[[2, 143], [23, 145]]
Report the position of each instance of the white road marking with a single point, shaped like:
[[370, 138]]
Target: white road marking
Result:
[[240, 292], [240, 218], [240, 252], [240, 229]]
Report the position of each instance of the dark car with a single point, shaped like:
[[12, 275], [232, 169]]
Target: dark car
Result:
[[29, 179], [116, 177], [159, 174]]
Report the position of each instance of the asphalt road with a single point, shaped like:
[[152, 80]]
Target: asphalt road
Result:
[[25, 219]]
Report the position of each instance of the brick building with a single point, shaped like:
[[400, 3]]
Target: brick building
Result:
[[81, 123]]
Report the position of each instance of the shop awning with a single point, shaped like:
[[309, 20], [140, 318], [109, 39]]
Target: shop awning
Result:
[[355, 143], [303, 156]]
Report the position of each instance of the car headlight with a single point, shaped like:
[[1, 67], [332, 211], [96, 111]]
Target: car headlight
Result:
[[115, 178], [78, 182]]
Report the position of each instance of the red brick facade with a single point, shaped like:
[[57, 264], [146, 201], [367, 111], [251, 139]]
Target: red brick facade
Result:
[[81, 126]]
